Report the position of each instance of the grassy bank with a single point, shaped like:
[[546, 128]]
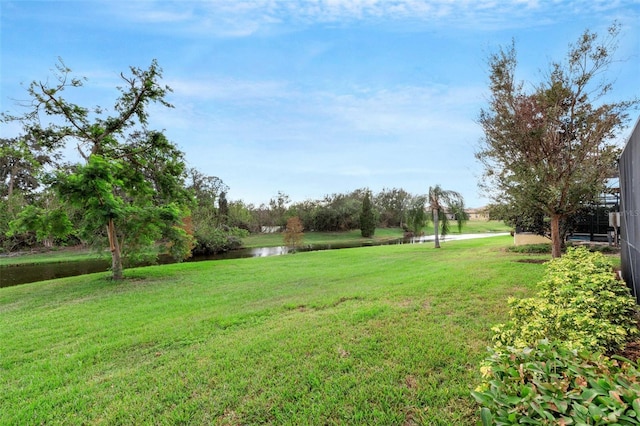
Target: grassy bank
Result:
[[376, 335], [63, 254], [256, 240], [381, 234], [276, 239]]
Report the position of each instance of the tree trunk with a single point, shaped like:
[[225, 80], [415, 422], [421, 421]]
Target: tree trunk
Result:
[[11, 180], [556, 243], [436, 227], [116, 258]]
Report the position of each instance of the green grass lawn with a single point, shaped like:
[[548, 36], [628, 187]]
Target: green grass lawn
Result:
[[375, 335], [381, 234], [277, 239], [61, 254]]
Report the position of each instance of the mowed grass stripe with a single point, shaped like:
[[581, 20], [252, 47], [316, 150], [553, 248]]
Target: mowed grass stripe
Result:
[[376, 335]]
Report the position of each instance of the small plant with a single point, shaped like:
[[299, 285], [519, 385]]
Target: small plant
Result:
[[293, 234], [580, 303], [552, 384], [531, 248]]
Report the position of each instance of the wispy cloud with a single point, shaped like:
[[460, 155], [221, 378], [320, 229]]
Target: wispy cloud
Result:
[[243, 18], [256, 110]]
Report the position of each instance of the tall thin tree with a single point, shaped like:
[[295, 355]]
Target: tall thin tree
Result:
[[441, 202]]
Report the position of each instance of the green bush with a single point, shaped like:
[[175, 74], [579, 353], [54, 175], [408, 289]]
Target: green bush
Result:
[[551, 384], [580, 302], [212, 239], [542, 248]]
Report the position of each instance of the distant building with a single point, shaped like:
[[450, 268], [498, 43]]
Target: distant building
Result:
[[477, 214], [472, 214]]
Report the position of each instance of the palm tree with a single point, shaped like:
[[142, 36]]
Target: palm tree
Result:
[[441, 201]]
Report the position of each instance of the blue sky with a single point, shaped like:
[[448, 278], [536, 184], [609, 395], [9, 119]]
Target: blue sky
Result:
[[311, 97]]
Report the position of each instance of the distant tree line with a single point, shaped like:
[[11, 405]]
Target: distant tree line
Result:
[[216, 223], [132, 192]]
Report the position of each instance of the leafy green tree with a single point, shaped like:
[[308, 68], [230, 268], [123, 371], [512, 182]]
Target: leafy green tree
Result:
[[213, 229], [223, 208], [10, 207], [22, 161], [551, 150], [131, 186], [240, 216], [392, 205], [367, 217], [306, 211], [278, 209], [47, 224], [417, 217], [440, 203], [206, 189]]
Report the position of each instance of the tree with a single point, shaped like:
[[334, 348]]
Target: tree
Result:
[[206, 189], [367, 217], [417, 215], [47, 224], [392, 204], [213, 229], [223, 208], [131, 185], [293, 234], [442, 202], [278, 209], [22, 161], [550, 150]]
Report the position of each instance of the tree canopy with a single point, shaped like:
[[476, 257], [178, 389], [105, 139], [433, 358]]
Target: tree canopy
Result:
[[442, 202], [551, 149], [130, 188], [367, 217]]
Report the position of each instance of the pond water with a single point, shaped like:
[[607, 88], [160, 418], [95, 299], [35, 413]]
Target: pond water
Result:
[[28, 273]]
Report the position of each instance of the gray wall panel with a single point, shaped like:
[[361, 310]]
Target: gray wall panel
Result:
[[630, 211]]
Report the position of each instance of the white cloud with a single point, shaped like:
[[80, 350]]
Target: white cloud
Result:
[[226, 18]]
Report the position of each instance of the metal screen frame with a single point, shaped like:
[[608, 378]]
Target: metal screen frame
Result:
[[629, 166]]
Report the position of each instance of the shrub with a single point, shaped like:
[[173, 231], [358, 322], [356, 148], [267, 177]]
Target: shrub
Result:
[[542, 248], [580, 302], [552, 384], [293, 234], [211, 239]]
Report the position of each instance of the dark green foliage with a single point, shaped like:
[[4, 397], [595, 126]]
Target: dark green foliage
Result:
[[367, 218], [22, 161], [213, 229], [545, 367], [531, 248], [392, 205], [417, 216], [336, 212], [131, 187], [111, 191], [212, 239], [223, 208], [550, 384], [46, 224], [441, 203]]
